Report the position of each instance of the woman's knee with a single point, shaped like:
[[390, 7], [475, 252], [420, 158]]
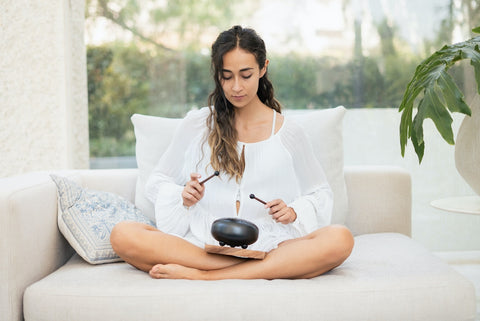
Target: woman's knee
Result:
[[342, 242], [118, 235], [124, 234], [345, 242]]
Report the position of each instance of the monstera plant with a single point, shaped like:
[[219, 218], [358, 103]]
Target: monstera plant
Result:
[[441, 96], [436, 96]]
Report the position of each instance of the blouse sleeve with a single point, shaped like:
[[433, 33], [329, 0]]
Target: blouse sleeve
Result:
[[314, 206], [165, 185]]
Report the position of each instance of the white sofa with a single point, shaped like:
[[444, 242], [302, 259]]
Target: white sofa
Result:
[[388, 276]]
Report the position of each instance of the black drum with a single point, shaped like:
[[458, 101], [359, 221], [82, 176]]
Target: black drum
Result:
[[234, 232]]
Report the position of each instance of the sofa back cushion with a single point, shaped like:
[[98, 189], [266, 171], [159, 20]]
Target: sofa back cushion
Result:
[[324, 127]]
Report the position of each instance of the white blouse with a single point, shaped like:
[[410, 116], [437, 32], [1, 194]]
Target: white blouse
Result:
[[280, 167]]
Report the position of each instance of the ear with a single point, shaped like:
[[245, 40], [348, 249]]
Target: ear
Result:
[[264, 69]]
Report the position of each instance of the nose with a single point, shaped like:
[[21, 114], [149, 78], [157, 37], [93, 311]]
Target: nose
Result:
[[236, 84]]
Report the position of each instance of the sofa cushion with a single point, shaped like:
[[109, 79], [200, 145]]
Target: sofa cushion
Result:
[[387, 277], [324, 127], [86, 218], [153, 135]]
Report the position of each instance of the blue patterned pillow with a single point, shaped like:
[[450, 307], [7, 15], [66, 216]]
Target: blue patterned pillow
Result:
[[86, 218]]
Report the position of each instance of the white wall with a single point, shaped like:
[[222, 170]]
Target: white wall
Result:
[[43, 95], [371, 137]]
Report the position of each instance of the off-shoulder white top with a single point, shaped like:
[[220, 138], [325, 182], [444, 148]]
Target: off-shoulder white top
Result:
[[280, 167]]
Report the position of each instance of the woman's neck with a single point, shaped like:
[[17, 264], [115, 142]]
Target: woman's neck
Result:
[[253, 113], [253, 124]]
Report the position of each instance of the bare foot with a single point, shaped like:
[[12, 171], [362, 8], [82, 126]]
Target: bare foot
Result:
[[175, 271]]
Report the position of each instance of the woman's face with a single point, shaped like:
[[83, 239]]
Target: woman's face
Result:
[[240, 77]]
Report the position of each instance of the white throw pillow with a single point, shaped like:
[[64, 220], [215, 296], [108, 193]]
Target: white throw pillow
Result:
[[86, 218], [153, 135], [324, 127]]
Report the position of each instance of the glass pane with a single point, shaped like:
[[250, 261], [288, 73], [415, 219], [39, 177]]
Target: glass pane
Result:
[[152, 57]]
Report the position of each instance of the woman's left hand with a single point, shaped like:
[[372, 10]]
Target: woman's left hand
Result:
[[280, 212]]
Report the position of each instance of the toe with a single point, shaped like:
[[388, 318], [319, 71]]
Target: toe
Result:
[[155, 271]]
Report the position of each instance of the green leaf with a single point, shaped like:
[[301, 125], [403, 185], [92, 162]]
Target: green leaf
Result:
[[417, 124], [419, 148], [441, 96], [476, 30], [417, 136], [438, 113], [405, 125], [453, 97]]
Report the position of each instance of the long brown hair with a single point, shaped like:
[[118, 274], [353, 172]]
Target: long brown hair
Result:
[[223, 136]]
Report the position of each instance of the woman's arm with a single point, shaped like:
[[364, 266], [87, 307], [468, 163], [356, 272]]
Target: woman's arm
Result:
[[314, 207], [165, 185]]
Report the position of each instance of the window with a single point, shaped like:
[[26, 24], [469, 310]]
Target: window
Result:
[[152, 57]]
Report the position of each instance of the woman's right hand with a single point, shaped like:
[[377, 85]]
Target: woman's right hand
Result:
[[193, 190]]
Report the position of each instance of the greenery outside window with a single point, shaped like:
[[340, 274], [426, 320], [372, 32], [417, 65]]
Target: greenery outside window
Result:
[[152, 56]]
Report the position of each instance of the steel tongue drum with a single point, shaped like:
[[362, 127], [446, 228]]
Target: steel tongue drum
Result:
[[234, 232]]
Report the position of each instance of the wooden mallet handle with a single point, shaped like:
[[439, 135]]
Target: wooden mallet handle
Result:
[[252, 196], [210, 177]]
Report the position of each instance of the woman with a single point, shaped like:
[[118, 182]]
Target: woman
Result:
[[256, 150]]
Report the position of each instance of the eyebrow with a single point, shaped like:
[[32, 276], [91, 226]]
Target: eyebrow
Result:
[[241, 70]]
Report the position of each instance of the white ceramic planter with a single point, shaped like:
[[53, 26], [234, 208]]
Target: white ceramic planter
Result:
[[467, 148]]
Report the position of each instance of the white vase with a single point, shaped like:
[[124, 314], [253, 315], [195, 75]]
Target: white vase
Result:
[[467, 149]]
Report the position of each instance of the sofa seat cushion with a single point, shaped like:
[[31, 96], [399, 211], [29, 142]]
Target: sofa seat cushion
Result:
[[387, 277]]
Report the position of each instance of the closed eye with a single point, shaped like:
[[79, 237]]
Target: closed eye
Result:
[[230, 77]]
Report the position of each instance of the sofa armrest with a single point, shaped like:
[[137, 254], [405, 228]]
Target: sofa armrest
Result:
[[379, 199], [31, 244]]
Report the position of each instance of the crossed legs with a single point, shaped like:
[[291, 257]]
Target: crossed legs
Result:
[[143, 246], [167, 256]]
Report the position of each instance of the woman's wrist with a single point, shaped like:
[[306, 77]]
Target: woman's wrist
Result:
[[294, 214]]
